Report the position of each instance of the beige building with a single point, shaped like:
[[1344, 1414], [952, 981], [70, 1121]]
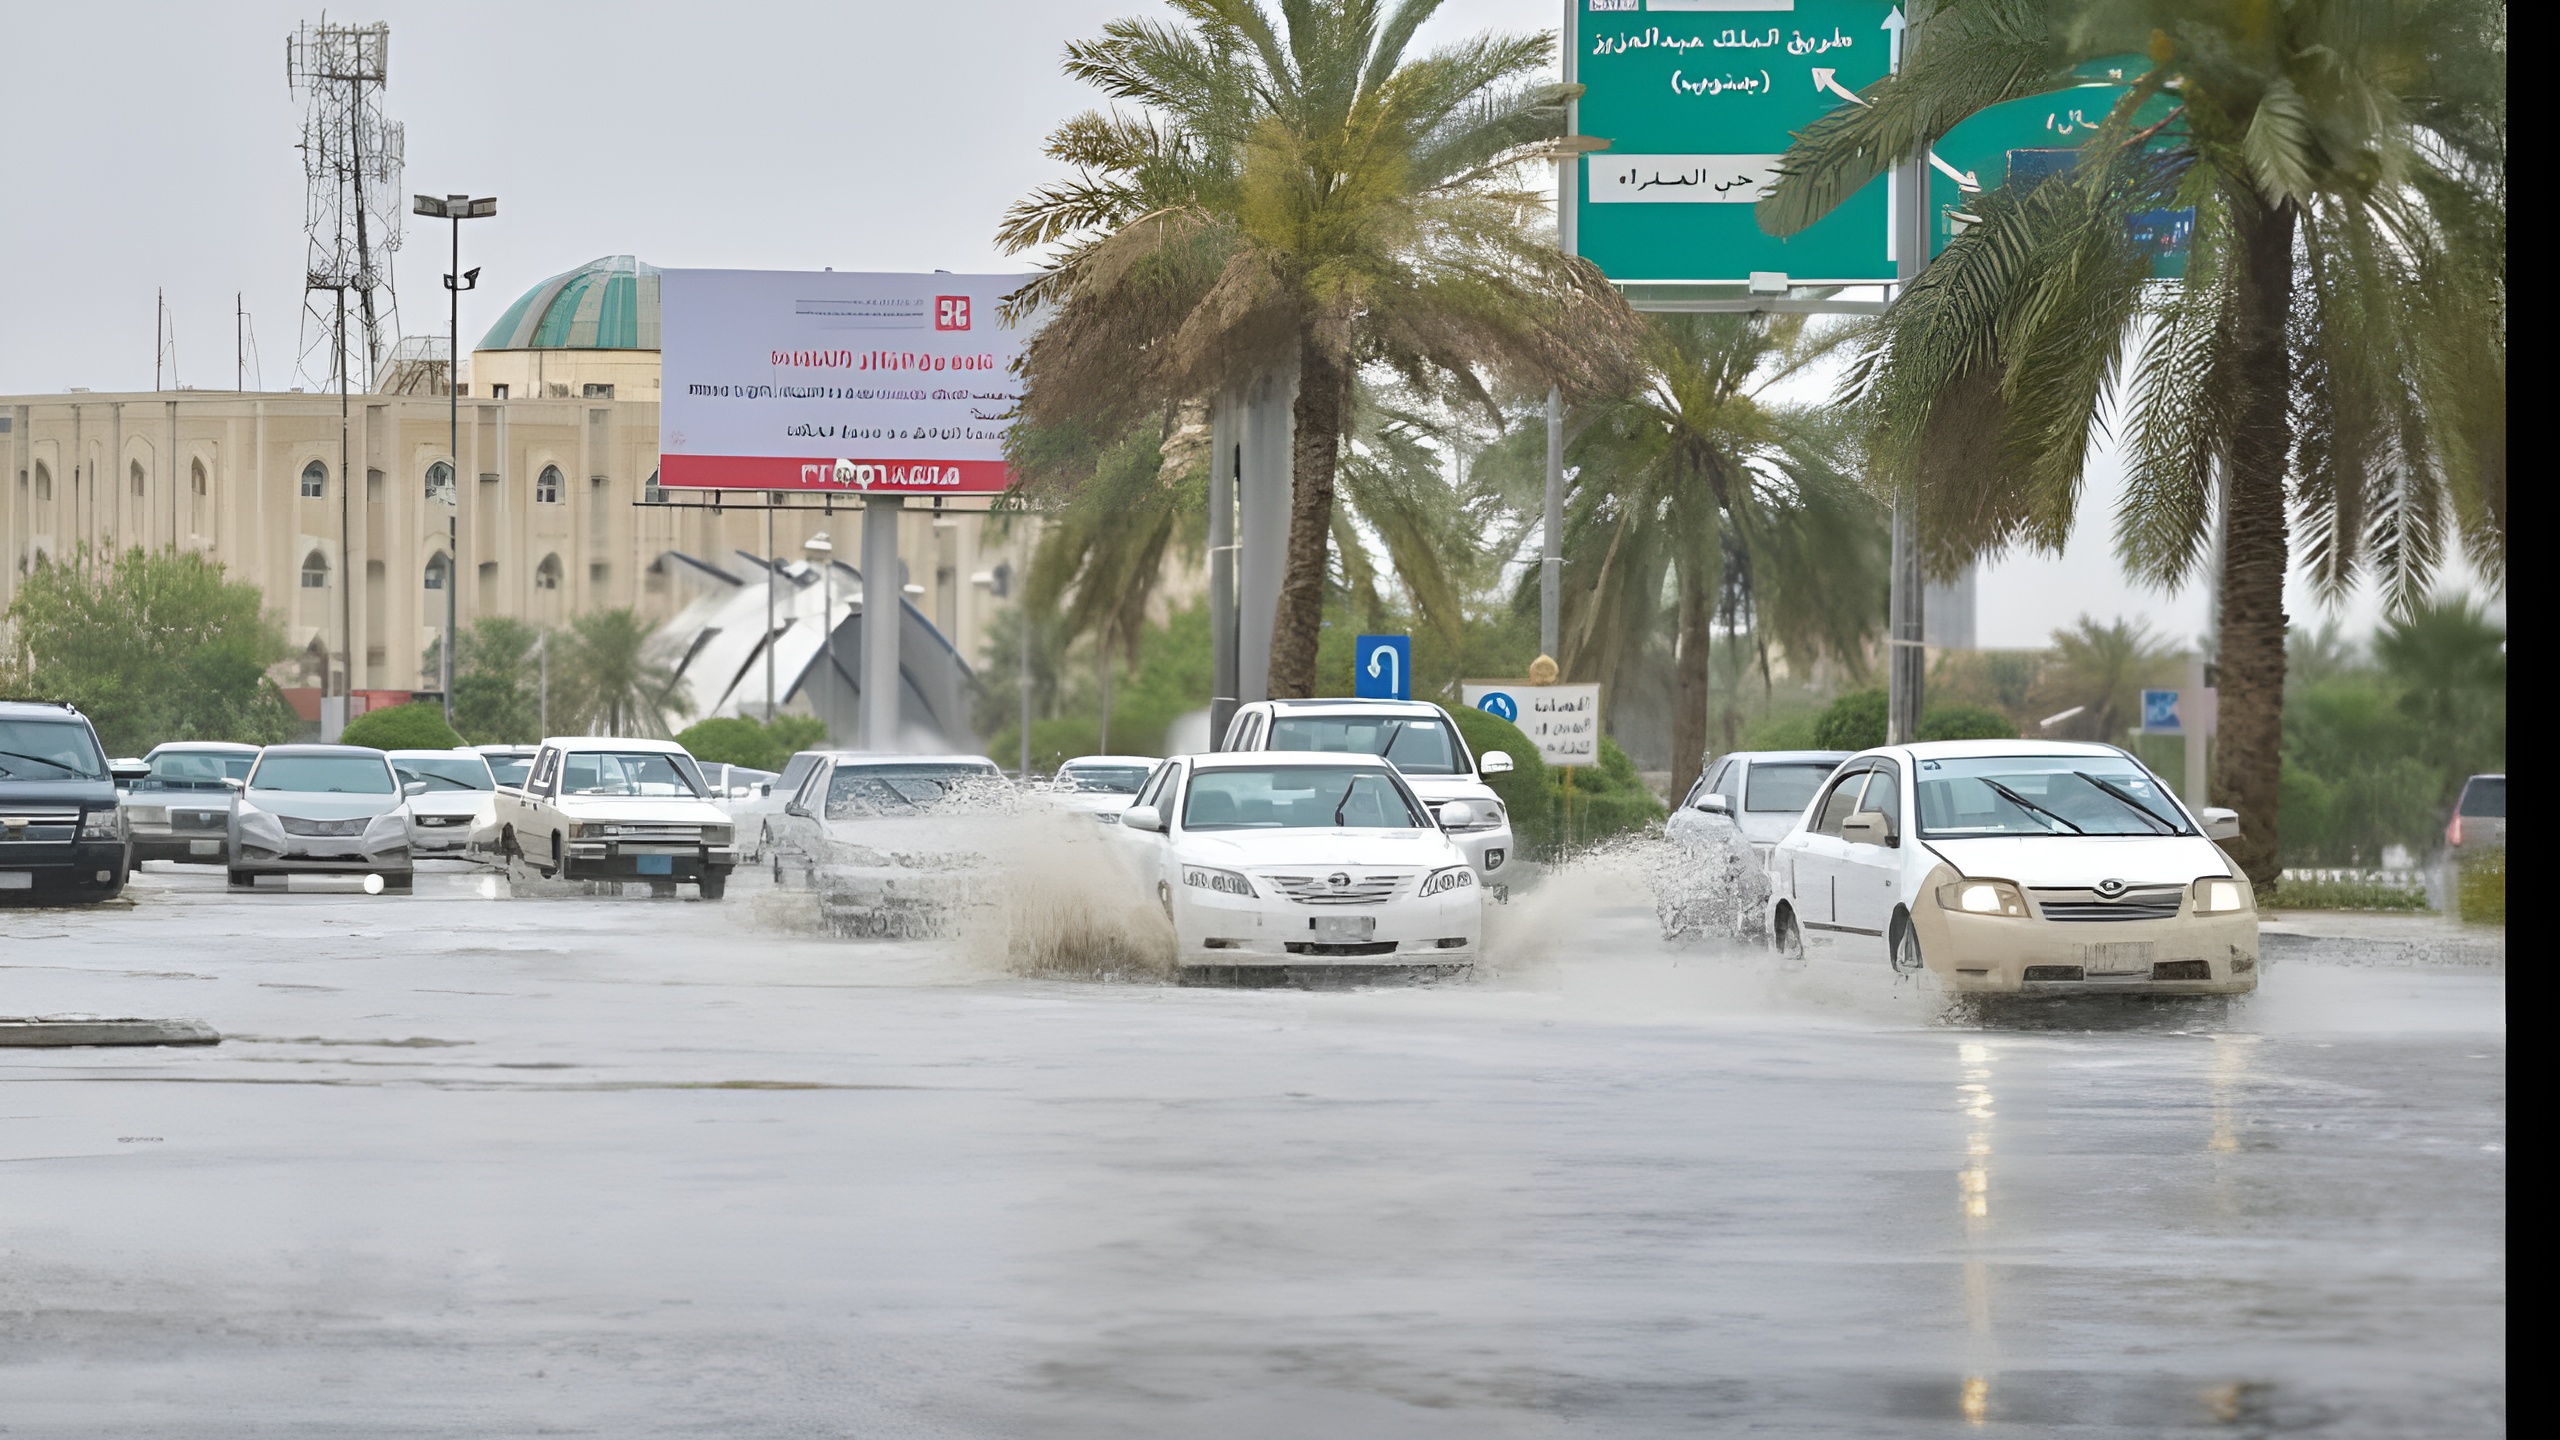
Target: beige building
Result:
[[343, 524]]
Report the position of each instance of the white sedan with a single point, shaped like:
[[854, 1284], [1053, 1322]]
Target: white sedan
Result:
[[2009, 865], [1273, 864]]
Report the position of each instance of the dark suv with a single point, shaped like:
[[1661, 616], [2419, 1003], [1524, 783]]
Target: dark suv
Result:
[[61, 836]]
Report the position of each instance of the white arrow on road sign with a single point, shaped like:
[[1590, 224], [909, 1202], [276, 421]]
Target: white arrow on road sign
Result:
[[1395, 673], [1822, 80], [1964, 179], [1893, 25]]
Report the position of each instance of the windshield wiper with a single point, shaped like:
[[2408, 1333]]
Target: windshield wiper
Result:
[[1345, 802], [2125, 798], [2023, 803], [56, 764], [1395, 732]]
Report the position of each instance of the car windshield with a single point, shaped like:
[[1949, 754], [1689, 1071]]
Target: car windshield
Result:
[[1107, 779], [1417, 745], [197, 769], [2043, 795], [2485, 797], [510, 769], [1787, 786], [444, 772], [324, 774], [1299, 797], [643, 772], [49, 750], [859, 790]]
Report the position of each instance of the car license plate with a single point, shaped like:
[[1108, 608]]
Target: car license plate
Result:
[[2118, 957], [656, 864], [1343, 927], [17, 879], [204, 847]]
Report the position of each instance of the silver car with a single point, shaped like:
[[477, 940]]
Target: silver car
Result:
[[181, 810], [458, 788], [1760, 791], [318, 809]]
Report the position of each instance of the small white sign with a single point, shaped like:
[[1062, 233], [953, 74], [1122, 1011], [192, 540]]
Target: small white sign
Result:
[[1682, 179], [1563, 721]]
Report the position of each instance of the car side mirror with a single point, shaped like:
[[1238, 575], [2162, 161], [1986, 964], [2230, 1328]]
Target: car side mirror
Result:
[[1493, 762], [1457, 815], [414, 787], [1867, 827], [1714, 804], [2219, 823], [765, 790], [234, 782], [128, 770], [1143, 817]]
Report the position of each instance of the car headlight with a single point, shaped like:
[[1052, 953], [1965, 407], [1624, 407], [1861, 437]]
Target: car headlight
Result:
[[390, 824], [1456, 877], [2221, 895], [1489, 816], [718, 834], [101, 825], [1982, 897], [1225, 882]]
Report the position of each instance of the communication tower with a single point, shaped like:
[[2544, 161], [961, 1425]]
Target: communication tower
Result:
[[351, 160]]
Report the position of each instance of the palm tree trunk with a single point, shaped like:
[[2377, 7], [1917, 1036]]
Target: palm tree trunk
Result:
[[1103, 651], [1698, 584], [1315, 446], [2255, 548]]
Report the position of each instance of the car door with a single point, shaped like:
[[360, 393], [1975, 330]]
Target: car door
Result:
[[801, 827], [1813, 861], [1142, 852], [1870, 875]]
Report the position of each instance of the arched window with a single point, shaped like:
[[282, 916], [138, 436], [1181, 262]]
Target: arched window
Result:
[[315, 571], [140, 480], [439, 481], [44, 481], [546, 486], [196, 476], [436, 568], [315, 481], [546, 576]]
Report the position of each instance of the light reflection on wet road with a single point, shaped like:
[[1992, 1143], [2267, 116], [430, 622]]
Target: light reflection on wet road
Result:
[[472, 1165]]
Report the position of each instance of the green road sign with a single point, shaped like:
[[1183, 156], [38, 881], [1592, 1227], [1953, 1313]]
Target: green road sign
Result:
[[1698, 99], [2038, 136]]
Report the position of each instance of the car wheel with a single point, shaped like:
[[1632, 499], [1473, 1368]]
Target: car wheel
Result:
[[1785, 937], [764, 840], [715, 883], [1906, 946], [777, 869], [242, 880]]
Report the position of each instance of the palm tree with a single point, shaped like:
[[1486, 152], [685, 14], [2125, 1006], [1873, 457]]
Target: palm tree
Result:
[[609, 683], [1299, 191], [2340, 327], [2101, 670], [1696, 489]]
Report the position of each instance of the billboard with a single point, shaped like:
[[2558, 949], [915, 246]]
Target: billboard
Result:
[[1698, 99], [836, 380], [1563, 720]]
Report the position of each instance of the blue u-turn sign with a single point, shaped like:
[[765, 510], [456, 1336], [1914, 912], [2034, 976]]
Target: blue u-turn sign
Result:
[[1382, 668]]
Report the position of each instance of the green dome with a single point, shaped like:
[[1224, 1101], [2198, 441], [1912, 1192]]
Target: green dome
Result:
[[605, 304]]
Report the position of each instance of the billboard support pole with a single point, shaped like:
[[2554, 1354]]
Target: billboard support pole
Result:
[[882, 601], [1226, 451], [1907, 656]]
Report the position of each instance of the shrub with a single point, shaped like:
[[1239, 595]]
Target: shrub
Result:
[[1596, 802], [1855, 721], [737, 740], [1966, 722], [1526, 792], [418, 725]]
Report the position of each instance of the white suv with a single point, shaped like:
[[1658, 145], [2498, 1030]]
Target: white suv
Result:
[[1415, 736]]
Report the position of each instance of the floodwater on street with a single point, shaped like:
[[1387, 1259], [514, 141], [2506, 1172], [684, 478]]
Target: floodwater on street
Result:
[[468, 1164]]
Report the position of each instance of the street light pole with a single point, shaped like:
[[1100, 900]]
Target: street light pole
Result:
[[455, 208], [822, 553]]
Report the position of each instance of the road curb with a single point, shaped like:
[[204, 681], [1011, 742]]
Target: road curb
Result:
[[45, 1032]]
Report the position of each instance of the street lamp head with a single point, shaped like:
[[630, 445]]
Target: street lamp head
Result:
[[818, 544], [428, 205], [482, 208]]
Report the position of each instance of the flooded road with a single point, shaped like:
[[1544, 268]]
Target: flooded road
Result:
[[473, 1165]]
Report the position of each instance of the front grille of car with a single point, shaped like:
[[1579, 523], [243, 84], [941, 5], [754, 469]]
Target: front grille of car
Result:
[[2035, 973], [433, 821], [2182, 970], [649, 834], [1348, 950], [1320, 889], [38, 827], [296, 825], [211, 822], [2146, 902]]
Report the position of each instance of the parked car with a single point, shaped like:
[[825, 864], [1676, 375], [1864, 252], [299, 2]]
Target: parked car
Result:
[[508, 764], [320, 809], [1417, 737], [1761, 792], [597, 807], [1102, 785], [754, 814], [896, 846], [62, 835], [458, 792], [1269, 862], [2007, 865], [180, 807], [736, 782], [2479, 816]]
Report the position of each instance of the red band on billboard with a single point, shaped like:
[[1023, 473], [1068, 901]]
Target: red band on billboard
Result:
[[888, 477]]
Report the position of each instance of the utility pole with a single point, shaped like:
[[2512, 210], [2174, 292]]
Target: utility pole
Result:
[[1551, 555], [1906, 657], [455, 208], [346, 520], [883, 598]]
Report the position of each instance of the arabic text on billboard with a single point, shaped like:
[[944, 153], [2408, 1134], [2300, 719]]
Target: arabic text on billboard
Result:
[[789, 380]]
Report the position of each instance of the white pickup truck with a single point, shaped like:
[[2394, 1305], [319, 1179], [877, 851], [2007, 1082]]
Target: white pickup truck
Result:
[[597, 807]]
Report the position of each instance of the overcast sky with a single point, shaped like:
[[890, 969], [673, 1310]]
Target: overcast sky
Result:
[[153, 146]]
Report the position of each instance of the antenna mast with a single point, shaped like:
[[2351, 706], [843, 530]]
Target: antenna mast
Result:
[[352, 154]]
